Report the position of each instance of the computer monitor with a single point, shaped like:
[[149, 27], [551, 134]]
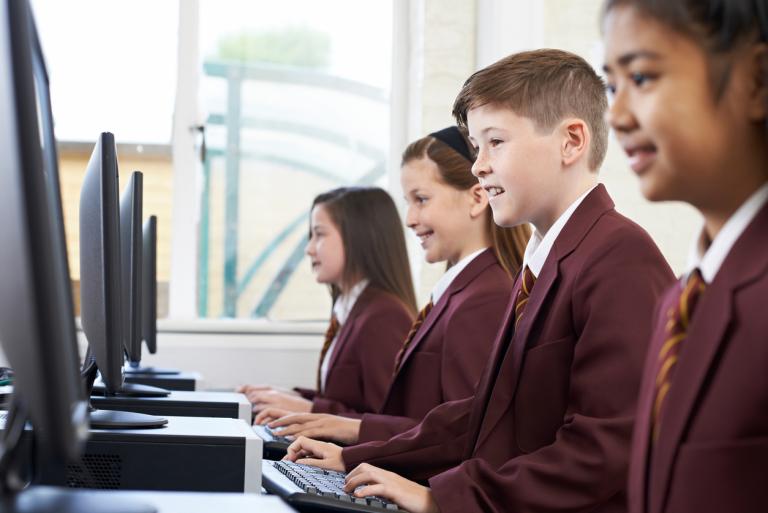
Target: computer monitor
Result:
[[148, 302], [36, 312], [149, 285], [102, 312], [131, 254]]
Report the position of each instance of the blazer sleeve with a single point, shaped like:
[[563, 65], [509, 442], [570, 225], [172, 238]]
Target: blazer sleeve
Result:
[[376, 426], [613, 302], [377, 339], [434, 445], [306, 393]]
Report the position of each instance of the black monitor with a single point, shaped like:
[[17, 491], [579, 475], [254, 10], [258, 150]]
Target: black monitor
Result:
[[101, 304], [148, 302], [131, 254], [149, 285], [36, 312]]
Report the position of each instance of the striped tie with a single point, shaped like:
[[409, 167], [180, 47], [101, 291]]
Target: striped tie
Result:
[[411, 334], [330, 334], [678, 320], [525, 292]]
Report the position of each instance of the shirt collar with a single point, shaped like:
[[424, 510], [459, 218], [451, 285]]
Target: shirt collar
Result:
[[709, 259], [446, 279], [346, 302], [538, 248]]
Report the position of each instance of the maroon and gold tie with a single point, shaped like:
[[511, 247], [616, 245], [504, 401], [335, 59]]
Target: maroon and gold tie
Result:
[[678, 320], [412, 333], [525, 292], [330, 334]]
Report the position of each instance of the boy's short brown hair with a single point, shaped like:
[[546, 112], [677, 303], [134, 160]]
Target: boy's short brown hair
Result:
[[545, 86]]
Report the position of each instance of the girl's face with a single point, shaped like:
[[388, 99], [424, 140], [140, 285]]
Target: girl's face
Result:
[[438, 214], [325, 248], [682, 142]]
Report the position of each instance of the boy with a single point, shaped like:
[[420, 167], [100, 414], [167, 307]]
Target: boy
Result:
[[549, 428]]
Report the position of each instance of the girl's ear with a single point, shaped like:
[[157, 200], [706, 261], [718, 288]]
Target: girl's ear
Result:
[[758, 98], [479, 199]]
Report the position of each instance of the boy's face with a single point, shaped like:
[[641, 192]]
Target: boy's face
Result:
[[680, 141], [517, 165]]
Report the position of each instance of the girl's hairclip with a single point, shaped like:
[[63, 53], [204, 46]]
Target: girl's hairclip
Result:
[[453, 137]]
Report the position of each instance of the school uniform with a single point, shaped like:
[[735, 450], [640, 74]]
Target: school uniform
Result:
[[357, 367], [703, 447], [444, 360], [550, 426]]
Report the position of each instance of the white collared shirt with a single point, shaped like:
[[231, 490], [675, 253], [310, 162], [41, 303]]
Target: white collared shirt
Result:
[[709, 260], [446, 279], [538, 248], [341, 310]]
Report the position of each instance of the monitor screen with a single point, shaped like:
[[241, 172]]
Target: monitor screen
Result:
[[131, 242], [36, 312]]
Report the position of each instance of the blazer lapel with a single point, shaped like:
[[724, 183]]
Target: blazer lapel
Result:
[[505, 384], [348, 327], [638, 475], [705, 337], [469, 273]]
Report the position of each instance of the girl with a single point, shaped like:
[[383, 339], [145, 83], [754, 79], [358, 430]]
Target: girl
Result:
[[690, 86], [357, 247], [450, 343]]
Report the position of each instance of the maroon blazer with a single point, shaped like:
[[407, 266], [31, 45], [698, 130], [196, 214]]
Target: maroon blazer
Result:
[[364, 355], [448, 353], [550, 426], [711, 455]]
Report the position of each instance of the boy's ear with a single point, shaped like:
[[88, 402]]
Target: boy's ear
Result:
[[758, 99], [479, 200], [575, 143]]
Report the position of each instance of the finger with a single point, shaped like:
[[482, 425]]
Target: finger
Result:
[[379, 490], [320, 463], [286, 420]]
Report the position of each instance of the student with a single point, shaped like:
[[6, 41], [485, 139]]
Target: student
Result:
[[549, 428], [445, 355], [690, 85], [357, 247]]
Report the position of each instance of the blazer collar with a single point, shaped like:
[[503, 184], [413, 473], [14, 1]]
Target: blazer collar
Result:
[[368, 295], [484, 260]]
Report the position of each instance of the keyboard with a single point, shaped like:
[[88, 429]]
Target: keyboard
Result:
[[275, 446], [314, 489]]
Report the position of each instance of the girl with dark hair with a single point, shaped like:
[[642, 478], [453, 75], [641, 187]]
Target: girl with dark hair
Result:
[[447, 348], [356, 247], [690, 85]]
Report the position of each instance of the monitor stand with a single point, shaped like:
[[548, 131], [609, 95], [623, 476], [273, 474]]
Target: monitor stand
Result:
[[136, 368], [132, 390], [110, 419], [61, 500]]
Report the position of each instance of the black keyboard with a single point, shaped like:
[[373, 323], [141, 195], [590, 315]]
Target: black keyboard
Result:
[[275, 446], [314, 489]]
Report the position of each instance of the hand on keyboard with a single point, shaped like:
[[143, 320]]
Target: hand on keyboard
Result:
[[317, 454], [319, 426], [276, 399], [270, 414], [367, 480]]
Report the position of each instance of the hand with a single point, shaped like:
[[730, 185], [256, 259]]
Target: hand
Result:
[[317, 425], [318, 454], [275, 399], [248, 390], [368, 480], [271, 413]]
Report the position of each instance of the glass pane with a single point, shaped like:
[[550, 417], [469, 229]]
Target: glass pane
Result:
[[297, 102]]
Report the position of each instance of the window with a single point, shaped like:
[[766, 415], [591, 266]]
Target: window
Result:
[[296, 102]]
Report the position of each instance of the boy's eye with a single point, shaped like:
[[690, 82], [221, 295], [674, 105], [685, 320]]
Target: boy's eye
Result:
[[421, 199], [495, 142]]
